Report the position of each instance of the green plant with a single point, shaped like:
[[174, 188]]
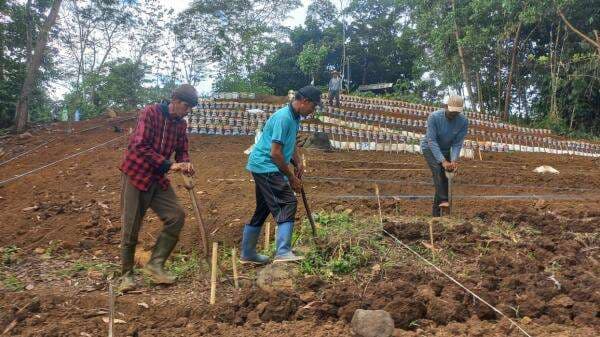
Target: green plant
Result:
[[53, 246], [11, 282], [85, 266], [345, 244], [8, 254], [184, 265]]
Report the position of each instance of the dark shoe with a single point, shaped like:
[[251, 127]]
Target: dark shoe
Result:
[[249, 240], [127, 282], [158, 274], [155, 268], [127, 263]]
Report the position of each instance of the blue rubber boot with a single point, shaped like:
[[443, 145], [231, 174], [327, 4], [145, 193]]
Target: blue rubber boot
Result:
[[249, 240], [283, 242]]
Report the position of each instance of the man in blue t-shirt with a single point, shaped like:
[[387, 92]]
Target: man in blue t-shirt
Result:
[[274, 180], [446, 131]]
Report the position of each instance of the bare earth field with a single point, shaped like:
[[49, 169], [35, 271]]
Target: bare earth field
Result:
[[525, 242]]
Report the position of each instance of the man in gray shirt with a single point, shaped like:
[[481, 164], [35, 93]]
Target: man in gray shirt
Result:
[[441, 145], [335, 86]]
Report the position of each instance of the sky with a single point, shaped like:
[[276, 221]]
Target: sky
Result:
[[296, 18]]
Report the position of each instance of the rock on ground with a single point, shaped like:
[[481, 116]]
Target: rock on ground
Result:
[[372, 323], [277, 277]]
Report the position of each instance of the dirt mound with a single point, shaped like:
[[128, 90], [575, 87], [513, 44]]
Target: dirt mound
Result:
[[318, 141]]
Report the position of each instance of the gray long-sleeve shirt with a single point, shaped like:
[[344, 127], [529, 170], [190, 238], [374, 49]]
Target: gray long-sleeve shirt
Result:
[[335, 84], [445, 135]]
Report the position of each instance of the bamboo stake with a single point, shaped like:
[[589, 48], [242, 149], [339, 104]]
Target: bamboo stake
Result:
[[431, 236], [111, 309], [213, 273], [378, 203], [267, 234], [234, 266]]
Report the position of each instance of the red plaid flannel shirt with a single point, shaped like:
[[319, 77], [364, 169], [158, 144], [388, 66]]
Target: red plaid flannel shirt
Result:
[[154, 140]]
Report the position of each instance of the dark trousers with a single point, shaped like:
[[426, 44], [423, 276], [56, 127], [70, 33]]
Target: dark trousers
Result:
[[439, 180], [274, 195], [135, 203], [336, 95]]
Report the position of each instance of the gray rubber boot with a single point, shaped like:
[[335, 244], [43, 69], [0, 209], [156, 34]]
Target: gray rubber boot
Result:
[[155, 268], [127, 282]]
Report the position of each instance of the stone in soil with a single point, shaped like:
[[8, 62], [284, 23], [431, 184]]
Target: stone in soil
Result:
[[372, 323], [277, 277]]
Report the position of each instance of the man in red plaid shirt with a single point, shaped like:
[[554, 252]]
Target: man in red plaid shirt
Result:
[[160, 131]]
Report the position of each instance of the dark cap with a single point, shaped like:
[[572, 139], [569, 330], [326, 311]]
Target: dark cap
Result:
[[186, 93], [312, 94]]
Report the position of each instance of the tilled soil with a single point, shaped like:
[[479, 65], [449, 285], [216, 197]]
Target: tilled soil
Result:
[[541, 271]]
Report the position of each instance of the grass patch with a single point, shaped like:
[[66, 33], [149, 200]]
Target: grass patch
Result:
[[81, 266], [10, 282], [346, 244], [9, 255], [185, 265]]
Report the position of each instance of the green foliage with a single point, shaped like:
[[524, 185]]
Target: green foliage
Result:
[[10, 282], [311, 59], [184, 265], [346, 245], [84, 266], [238, 33], [237, 83], [8, 255], [13, 60]]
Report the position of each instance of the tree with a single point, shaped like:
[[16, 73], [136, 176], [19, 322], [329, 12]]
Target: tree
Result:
[[311, 59], [33, 67], [239, 34], [95, 33], [20, 24]]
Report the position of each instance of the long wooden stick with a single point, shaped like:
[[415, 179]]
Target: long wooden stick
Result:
[[309, 214], [188, 183], [213, 273], [111, 309], [234, 267]]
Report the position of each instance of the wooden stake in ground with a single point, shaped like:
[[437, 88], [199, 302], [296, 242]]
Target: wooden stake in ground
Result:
[[267, 233], [234, 267], [478, 148], [378, 203], [111, 309], [213, 273]]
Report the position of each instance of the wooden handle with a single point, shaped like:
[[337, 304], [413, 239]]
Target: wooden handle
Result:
[[188, 182]]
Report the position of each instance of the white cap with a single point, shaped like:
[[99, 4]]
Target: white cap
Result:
[[455, 103]]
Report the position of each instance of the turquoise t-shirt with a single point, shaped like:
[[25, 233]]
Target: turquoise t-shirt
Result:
[[282, 127]]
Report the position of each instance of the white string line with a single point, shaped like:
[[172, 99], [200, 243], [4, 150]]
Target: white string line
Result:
[[55, 138], [455, 281], [3, 182], [27, 152], [394, 181]]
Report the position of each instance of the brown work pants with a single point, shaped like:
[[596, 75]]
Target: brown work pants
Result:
[[135, 203]]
